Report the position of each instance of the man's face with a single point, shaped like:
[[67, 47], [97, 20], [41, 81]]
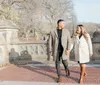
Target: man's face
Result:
[[61, 24]]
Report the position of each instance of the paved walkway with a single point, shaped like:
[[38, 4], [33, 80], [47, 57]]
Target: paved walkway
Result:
[[46, 74], [35, 83]]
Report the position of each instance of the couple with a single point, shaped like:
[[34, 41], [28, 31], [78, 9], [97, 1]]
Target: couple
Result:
[[60, 45]]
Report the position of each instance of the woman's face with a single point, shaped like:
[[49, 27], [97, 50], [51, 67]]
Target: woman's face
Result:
[[79, 31]]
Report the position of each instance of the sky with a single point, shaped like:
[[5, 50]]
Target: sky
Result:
[[87, 10]]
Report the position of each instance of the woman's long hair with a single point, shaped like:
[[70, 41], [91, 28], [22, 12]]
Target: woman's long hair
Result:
[[83, 32]]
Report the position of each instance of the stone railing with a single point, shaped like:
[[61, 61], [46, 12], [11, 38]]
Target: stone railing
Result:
[[28, 50], [96, 52], [23, 50]]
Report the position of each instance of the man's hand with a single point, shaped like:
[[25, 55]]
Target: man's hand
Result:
[[91, 55], [51, 53], [67, 52]]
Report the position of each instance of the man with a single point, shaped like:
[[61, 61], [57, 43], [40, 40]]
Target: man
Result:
[[59, 45]]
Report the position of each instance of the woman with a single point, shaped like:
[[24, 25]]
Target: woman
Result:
[[83, 49]]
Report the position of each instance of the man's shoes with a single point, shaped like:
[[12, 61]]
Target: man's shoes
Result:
[[59, 80], [67, 73]]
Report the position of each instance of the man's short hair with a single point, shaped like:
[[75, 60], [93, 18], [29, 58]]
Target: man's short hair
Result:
[[80, 25], [60, 20]]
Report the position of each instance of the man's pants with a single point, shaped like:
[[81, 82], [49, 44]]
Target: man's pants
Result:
[[58, 59]]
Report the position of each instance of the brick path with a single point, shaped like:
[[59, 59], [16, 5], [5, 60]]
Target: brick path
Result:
[[47, 74]]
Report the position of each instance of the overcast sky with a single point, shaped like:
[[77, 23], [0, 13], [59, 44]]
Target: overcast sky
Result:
[[87, 10]]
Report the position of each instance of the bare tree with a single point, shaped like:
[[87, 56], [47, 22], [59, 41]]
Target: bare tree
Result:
[[38, 15], [91, 27], [7, 11], [57, 9]]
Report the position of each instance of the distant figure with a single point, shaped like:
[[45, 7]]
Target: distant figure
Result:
[[13, 55], [25, 55], [59, 45], [44, 38], [83, 49], [47, 39]]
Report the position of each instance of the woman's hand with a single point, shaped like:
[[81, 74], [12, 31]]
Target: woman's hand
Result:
[[67, 52]]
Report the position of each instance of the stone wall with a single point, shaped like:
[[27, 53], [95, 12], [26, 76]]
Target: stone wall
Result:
[[36, 50], [23, 51], [28, 50], [96, 52]]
